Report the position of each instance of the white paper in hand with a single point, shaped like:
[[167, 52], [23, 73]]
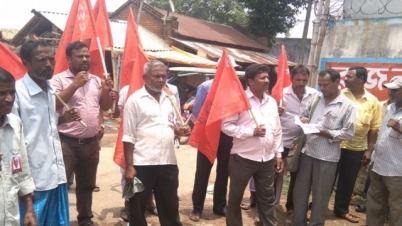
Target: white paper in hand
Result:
[[307, 128]]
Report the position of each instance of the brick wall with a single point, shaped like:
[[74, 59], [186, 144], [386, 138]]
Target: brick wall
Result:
[[151, 22]]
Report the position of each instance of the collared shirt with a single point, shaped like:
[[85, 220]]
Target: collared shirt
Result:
[[86, 100], [241, 128], [338, 118], [12, 184], [368, 117], [149, 125], [294, 106], [202, 92], [388, 160], [123, 96], [39, 119]]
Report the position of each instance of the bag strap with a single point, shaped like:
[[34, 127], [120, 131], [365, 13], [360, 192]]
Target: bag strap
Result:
[[314, 106]]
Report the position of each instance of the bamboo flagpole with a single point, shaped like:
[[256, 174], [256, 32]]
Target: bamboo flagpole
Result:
[[66, 106]]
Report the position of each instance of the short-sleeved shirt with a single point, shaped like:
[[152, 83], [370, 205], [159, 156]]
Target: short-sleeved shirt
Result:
[[13, 185], [36, 110], [149, 125], [338, 118], [388, 149], [294, 106], [368, 117], [86, 100]]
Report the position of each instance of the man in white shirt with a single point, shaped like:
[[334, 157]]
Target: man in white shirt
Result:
[[15, 179], [256, 150], [295, 100], [149, 126], [386, 174]]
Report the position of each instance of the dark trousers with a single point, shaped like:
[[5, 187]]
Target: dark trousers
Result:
[[164, 181], [241, 170], [347, 170], [82, 159], [221, 182], [289, 199]]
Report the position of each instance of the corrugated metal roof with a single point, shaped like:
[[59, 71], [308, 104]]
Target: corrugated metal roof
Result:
[[244, 56], [150, 41], [208, 31]]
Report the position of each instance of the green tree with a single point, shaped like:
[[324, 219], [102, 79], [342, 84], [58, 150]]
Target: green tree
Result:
[[264, 18], [268, 17]]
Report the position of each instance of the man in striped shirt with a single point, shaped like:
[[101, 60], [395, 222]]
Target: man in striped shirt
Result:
[[386, 175]]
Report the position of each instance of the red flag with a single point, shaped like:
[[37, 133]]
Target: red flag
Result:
[[283, 76], [131, 45], [104, 33], [10, 62], [102, 24], [80, 27], [226, 97], [135, 59]]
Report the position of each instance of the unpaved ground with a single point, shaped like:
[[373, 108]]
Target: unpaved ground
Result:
[[108, 202]]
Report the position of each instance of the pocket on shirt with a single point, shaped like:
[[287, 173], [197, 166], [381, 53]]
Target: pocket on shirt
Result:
[[330, 122], [365, 118]]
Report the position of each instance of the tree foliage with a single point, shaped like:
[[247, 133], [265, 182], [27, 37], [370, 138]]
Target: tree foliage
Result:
[[263, 18]]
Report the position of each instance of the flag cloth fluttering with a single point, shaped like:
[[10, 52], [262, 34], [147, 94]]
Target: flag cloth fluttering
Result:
[[226, 97], [10, 62], [80, 26], [134, 54], [104, 33], [283, 76]]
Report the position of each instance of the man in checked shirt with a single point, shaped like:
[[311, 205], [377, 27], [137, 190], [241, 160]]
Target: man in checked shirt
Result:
[[386, 174], [335, 117]]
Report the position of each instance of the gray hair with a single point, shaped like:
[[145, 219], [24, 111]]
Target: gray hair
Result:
[[151, 64]]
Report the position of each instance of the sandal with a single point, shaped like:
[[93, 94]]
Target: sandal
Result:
[[361, 208], [247, 205], [96, 189], [194, 216], [152, 210], [124, 215], [349, 217]]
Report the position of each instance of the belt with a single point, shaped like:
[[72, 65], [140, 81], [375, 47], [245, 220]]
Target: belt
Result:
[[78, 140]]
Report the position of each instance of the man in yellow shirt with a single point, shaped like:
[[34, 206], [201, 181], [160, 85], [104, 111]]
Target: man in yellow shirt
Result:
[[358, 150]]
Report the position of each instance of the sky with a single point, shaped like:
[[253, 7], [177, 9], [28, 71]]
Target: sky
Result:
[[16, 13]]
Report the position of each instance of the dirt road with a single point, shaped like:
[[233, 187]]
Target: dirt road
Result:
[[108, 202]]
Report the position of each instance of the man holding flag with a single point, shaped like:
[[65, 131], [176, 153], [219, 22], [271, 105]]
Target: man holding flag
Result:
[[257, 148], [204, 164], [88, 94], [149, 126]]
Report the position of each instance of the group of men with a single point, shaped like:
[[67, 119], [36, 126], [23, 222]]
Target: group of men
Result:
[[348, 121], [51, 140]]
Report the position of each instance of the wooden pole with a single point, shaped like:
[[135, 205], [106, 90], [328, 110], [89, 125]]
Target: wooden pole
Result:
[[66, 106], [176, 109], [252, 115], [305, 31]]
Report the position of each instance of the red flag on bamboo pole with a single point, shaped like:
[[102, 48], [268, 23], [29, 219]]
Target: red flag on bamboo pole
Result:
[[130, 47], [10, 62], [80, 26], [226, 97], [136, 58], [104, 33], [283, 76]]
